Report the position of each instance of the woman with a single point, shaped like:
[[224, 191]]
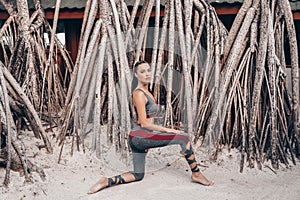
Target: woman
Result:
[[148, 135]]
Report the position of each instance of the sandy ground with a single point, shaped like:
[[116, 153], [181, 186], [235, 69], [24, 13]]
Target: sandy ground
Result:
[[167, 177]]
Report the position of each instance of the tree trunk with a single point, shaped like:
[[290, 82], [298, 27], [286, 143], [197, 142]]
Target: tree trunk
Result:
[[284, 4], [30, 107]]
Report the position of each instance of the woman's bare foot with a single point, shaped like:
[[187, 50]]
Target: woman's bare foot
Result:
[[102, 183], [198, 177]]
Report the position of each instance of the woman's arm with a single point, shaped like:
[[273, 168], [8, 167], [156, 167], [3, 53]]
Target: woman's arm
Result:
[[140, 101]]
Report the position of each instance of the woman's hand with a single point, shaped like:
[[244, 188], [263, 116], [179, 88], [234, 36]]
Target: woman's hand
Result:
[[174, 131]]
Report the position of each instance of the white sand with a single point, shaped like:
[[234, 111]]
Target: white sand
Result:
[[72, 178]]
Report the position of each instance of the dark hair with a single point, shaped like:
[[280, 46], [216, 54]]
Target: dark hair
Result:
[[134, 79], [138, 63]]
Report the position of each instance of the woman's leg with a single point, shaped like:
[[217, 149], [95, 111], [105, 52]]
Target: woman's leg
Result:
[[137, 175], [197, 176], [147, 139], [144, 139], [107, 182]]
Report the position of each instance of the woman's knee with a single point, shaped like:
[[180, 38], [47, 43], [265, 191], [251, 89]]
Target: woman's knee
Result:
[[139, 176], [185, 137]]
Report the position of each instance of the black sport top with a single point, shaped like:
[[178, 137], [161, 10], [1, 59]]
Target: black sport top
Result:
[[151, 106]]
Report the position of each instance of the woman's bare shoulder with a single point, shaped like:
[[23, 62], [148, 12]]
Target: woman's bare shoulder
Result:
[[138, 95]]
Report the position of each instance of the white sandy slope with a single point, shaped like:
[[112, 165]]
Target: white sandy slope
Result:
[[167, 177]]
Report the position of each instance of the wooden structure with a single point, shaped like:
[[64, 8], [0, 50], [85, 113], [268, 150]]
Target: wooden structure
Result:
[[71, 15]]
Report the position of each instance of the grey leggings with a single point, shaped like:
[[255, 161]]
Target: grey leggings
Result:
[[141, 139]]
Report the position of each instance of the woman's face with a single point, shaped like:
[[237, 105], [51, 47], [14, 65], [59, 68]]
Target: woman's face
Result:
[[143, 73]]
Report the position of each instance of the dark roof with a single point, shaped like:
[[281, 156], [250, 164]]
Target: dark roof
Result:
[[50, 4], [295, 4], [71, 4], [80, 4]]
